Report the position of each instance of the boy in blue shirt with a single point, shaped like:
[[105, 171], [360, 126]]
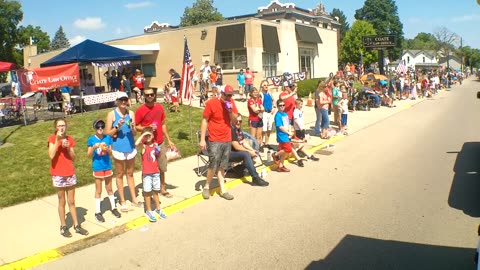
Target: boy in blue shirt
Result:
[[100, 149], [282, 125]]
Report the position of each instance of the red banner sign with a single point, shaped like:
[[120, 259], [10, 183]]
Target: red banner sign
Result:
[[36, 79]]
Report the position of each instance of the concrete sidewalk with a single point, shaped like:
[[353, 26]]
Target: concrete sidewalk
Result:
[[30, 231]]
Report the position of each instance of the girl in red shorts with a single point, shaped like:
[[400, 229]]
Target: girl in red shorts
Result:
[[99, 148]]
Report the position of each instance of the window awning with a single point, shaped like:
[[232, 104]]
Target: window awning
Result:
[[230, 37], [146, 49], [270, 39], [307, 34]]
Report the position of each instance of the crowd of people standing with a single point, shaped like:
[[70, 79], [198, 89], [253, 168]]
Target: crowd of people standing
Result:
[[114, 139]]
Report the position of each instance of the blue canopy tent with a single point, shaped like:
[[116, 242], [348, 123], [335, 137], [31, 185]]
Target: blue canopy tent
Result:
[[90, 51]]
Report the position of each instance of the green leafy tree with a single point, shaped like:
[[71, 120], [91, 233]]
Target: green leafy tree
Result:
[[352, 45], [60, 40], [202, 11], [470, 55], [345, 26], [383, 15], [39, 38], [10, 16], [423, 41]]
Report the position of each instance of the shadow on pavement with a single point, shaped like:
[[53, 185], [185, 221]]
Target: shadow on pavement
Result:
[[356, 252], [465, 190], [81, 213]]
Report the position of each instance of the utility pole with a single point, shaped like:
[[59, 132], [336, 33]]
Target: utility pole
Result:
[[461, 60]]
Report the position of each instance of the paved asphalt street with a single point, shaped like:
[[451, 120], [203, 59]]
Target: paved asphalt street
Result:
[[400, 194]]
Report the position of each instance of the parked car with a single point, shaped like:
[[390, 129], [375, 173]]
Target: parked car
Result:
[[5, 89]]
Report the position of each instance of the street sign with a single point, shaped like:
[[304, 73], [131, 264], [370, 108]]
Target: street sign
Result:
[[379, 42]]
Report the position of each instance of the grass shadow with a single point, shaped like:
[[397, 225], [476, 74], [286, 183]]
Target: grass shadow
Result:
[[4, 140]]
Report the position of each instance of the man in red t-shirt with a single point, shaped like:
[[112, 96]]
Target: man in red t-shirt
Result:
[[288, 96], [151, 114], [218, 115]]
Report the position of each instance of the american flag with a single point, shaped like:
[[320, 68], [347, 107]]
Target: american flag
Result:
[[401, 68], [188, 70], [360, 67]]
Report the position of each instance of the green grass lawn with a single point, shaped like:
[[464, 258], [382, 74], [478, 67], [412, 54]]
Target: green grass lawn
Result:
[[24, 162]]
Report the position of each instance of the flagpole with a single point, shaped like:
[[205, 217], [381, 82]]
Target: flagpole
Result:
[[190, 117]]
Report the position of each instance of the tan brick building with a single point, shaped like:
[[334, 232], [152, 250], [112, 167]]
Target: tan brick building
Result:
[[276, 39]]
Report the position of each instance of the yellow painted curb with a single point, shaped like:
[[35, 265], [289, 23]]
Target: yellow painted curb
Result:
[[32, 261]]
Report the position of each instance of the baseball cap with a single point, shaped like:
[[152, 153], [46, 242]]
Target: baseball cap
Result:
[[98, 121], [121, 95], [228, 89]]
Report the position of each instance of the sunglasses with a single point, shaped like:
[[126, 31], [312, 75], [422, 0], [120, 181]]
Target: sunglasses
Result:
[[100, 127], [239, 121], [149, 95], [124, 99], [228, 95], [281, 105]]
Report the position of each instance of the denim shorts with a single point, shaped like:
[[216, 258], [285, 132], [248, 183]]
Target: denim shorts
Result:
[[256, 124], [151, 182], [218, 154], [325, 119]]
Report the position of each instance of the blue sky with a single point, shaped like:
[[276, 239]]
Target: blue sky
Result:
[[107, 19]]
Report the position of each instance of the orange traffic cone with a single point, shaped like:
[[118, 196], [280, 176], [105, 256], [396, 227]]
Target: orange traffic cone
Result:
[[310, 100]]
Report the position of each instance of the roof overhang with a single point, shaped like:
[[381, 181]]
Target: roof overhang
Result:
[[146, 49]]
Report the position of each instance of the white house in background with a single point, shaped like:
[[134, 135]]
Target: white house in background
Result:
[[417, 60], [454, 62]]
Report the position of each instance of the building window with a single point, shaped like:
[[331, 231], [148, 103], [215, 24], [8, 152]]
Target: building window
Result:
[[233, 59], [149, 70], [424, 59], [408, 59], [269, 64]]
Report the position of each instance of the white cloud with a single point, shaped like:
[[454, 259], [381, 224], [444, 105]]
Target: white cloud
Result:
[[466, 18], [76, 39], [122, 30], [89, 23], [138, 5]]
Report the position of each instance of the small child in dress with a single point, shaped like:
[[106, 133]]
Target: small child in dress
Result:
[[99, 148], [166, 92], [151, 174], [343, 104]]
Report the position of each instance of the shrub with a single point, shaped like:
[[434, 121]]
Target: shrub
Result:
[[307, 86]]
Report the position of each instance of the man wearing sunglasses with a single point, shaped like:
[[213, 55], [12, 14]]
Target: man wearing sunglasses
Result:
[[218, 115], [151, 114]]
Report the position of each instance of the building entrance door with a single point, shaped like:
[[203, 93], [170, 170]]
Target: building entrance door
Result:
[[306, 62]]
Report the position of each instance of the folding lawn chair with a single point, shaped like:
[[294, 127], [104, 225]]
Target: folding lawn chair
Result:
[[202, 155], [254, 143]]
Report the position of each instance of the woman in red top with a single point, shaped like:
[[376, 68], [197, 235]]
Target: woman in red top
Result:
[[255, 110], [62, 155]]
